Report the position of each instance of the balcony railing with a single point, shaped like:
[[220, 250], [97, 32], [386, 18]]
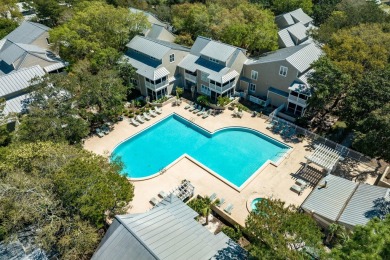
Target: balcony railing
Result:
[[300, 101], [156, 86], [190, 77], [221, 89]]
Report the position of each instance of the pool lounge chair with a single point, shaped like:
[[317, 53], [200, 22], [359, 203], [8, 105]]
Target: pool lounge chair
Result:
[[146, 116], [162, 194], [158, 110], [221, 202], [153, 201], [99, 132], [301, 183], [297, 189], [193, 107], [229, 208], [188, 106], [201, 112], [133, 122], [139, 119], [213, 196], [198, 109], [206, 114], [105, 130], [151, 112]]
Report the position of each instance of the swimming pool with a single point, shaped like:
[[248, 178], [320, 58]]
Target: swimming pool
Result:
[[234, 153]]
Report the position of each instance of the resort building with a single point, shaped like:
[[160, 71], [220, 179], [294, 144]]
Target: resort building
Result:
[[212, 68], [156, 63], [338, 200], [27, 46], [168, 231], [280, 78], [158, 30], [294, 27]]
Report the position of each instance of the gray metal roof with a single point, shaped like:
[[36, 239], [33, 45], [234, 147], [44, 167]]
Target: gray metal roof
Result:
[[300, 16], [328, 202], [285, 37], [361, 207], [11, 51], [16, 104], [148, 47], [297, 31], [284, 20], [168, 231], [19, 80], [160, 33], [27, 32], [218, 51], [151, 18], [300, 56]]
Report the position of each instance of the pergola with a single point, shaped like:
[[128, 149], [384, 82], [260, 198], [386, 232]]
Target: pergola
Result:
[[184, 191], [324, 157]]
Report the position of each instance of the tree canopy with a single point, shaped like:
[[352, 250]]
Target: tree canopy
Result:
[[277, 231], [63, 192]]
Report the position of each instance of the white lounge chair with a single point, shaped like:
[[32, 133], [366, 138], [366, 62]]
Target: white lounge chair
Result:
[[162, 194], [194, 106], [221, 202], [297, 189], [206, 114], [158, 110], [139, 119], [229, 208], [99, 132], [154, 201], [188, 106], [151, 112], [213, 196], [133, 122], [201, 112], [198, 109], [146, 116]]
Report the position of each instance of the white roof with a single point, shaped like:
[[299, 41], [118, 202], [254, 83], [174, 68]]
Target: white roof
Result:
[[15, 105], [153, 74], [19, 80], [218, 51], [148, 47]]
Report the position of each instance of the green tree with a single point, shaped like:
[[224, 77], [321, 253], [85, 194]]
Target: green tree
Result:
[[95, 26], [277, 231], [7, 26], [371, 241], [322, 9], [9, 8], [191, 18], [48, 11], [285, 6]]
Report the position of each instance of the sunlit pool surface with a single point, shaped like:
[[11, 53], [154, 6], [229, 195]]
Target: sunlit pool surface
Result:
[[234, 153]]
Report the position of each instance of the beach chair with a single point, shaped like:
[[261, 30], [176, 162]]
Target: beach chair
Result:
[[146, 116], [297, 189], [198, 109], [206, 114], [194, 106], [201, 112], [188, 106], [99, 132], [229, 208], [139, 119], [153, 201], [301, 183], [158, 110], [105, 130], [221, 202], [162, 194], [213, 196], [133, 122], [151, 112]]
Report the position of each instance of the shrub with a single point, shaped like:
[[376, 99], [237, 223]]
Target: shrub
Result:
[[234, 233]]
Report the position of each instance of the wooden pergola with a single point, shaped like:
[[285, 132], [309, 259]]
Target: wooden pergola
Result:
[[324, 157]]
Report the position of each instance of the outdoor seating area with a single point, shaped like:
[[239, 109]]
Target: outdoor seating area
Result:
[[141, 119], [324, 157], [300, 186], [105, 129]]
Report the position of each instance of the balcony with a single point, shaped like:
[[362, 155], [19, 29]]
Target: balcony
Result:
[[296, 100], [190, 77], [221, 89], [156, 86]]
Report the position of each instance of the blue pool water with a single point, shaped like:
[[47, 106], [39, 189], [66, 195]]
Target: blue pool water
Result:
[[233, 153], [254, 202]]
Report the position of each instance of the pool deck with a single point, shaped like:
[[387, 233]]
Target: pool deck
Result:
[[272, 181]]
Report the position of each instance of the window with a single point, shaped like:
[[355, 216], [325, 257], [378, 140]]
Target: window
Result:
[[48, 41], [204, 77], [172, 58], [295, 109], [213, 60], [283, 71], [205, 90], [254, 75], [252, 87]]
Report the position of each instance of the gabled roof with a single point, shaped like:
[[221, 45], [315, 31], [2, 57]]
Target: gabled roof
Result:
[[11, 51], [168, 231], [19, 80], [300, 57], [27, 32], [151, 18], [153, 47], [160, 33], [296, 16], [16, 104]]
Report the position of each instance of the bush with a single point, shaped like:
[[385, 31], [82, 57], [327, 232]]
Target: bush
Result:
[[198, 204], [223, 101], [203, 100], [234, 233]]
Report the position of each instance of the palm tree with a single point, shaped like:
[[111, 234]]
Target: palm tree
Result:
[[208, 203]]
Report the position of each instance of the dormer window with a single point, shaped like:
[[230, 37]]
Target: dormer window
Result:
[[283, 71], [172, 58], [213, 60]]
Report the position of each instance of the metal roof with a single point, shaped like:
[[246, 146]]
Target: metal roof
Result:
[[168, 231], [146, 66], [148, 47], [27, 32], [361, 207], [160, 33], [153, 74], [16, 104], [19, 80], [11, 52], [300, 16], [296, 16], [55, 66], [328, 202], [285, 37], [298, 30], [305, 76], [151, 18], [284, 20], [218, 51]]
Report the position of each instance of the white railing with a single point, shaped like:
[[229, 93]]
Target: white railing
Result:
[[221, 89], [259, 101], [190, 77], [156, 86], [297, 100]]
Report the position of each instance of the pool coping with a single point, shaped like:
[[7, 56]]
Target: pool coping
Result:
[[201, 165]]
